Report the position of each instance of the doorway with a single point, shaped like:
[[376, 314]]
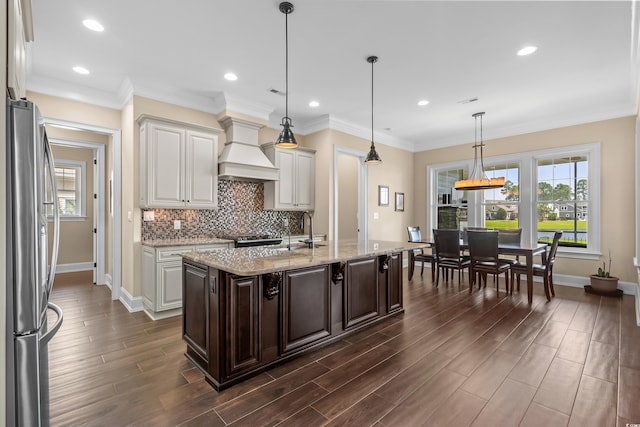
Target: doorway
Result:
[[80, 172], [112, 197], [350, 195]]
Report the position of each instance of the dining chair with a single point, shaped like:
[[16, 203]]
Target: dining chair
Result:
[[448, 254], [544, 270], [509, 236], [483, 251], [416, 236]]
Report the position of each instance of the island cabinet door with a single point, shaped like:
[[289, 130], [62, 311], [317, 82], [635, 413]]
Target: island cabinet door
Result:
[[306, 307], [361, 298], [242, 330], [195, 319], [391, 276]]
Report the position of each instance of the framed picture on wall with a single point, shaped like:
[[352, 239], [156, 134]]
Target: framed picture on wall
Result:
[[400, 202], [383, 195]]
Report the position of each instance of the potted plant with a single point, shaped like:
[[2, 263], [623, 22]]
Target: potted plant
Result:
[[603, 281]]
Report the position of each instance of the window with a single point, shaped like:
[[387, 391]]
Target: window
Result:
[[563, 199], [70, 183], [501, 204], [452, 204], [545, 191]]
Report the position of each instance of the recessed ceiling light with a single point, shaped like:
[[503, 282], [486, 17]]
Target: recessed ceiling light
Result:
[[231, 77], [527, 50], [423, 102], [80, 70], [314, 104], [93, 25]]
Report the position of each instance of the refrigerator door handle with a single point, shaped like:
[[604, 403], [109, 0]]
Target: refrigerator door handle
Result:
[[56, 215], [44, 339]]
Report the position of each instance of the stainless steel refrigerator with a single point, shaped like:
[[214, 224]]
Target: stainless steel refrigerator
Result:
[[31, 203]]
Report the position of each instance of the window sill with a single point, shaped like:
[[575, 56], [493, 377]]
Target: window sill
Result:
[[578, 255], [70, 218]]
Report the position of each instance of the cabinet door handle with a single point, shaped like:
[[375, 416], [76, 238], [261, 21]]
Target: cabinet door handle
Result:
[[213, 284]]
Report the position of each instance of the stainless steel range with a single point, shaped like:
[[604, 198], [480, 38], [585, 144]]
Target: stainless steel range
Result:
[[245, 241]]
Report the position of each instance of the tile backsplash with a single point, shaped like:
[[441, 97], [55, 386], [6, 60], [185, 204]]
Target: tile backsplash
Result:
[[240, 212]]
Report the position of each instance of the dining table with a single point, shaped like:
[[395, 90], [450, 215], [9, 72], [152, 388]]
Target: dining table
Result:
[[528, 251]]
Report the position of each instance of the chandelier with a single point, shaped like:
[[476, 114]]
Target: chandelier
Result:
[[478, 180]]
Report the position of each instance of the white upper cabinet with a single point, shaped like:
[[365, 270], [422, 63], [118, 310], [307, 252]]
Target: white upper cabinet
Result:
[[178, 164], [19, 32], [295, 191]]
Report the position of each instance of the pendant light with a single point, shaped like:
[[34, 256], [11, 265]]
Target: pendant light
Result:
[[286, 138], [372, 158], [478, 180]]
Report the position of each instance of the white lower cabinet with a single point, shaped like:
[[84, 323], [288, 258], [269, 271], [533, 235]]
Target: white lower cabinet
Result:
[[162, 278]]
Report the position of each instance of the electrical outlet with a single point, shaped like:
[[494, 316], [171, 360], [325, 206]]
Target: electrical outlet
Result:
[[285, 222], [376, 246], [376, 215], [149, 216], [177, 224]]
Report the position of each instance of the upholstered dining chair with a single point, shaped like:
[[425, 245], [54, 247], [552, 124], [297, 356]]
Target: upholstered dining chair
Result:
[[483, 251], [448, 254], [415, 235], [544, 270]]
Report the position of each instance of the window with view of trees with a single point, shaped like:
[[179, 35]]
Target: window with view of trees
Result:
[[563, 199], [501, 204], [545, 191]]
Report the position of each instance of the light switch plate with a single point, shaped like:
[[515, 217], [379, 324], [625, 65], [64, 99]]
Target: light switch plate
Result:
[[149, 216], [376, 215], [177, 224]]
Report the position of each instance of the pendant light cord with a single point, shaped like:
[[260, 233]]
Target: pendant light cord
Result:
[[286, 65], [372, 62]]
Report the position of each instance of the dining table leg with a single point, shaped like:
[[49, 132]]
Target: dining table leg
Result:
[[529, 258], [412, 264]]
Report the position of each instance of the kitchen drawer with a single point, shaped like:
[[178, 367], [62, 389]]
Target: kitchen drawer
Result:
[[172, 254]]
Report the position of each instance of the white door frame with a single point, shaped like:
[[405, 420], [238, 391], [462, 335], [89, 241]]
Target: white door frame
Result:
[[363, 233], [98, 203], [116, 229]]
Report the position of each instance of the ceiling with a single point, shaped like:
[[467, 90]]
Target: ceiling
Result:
[[585, 68]]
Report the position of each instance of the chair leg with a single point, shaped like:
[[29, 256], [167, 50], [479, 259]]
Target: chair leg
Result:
[[437, 276], [550, 273], [422, 269], [433, 271], [546, 287]]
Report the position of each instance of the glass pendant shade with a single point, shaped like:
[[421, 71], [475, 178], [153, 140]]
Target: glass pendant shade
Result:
[[478, 180]]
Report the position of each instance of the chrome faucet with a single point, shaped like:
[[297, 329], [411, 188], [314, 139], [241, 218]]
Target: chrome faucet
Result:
[[310, 240]]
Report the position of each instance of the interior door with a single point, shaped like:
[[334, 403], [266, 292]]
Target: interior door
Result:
[[95, 219], [348, 197]]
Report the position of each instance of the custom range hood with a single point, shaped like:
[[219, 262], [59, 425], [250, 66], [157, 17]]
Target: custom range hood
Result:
[[242, 159]]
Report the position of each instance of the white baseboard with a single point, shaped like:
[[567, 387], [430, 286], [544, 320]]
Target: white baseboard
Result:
[[73, 267], [132, 304], [157, 315], [108, 281], [629, 288]]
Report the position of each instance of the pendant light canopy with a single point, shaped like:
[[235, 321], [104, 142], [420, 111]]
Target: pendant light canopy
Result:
[[286, 138], [372, 158], [478, 180]]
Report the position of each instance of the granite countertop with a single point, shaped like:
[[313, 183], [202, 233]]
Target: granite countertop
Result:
[[263, 259], [192, 241]]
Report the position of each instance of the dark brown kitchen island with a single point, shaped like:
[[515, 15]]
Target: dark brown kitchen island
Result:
[[247, 309]]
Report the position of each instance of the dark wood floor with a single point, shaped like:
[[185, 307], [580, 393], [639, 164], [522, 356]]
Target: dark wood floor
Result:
[[452, 359]]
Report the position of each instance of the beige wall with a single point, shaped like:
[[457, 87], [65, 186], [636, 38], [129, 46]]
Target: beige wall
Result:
[[76, 237], [617, 204], [395, 171]]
